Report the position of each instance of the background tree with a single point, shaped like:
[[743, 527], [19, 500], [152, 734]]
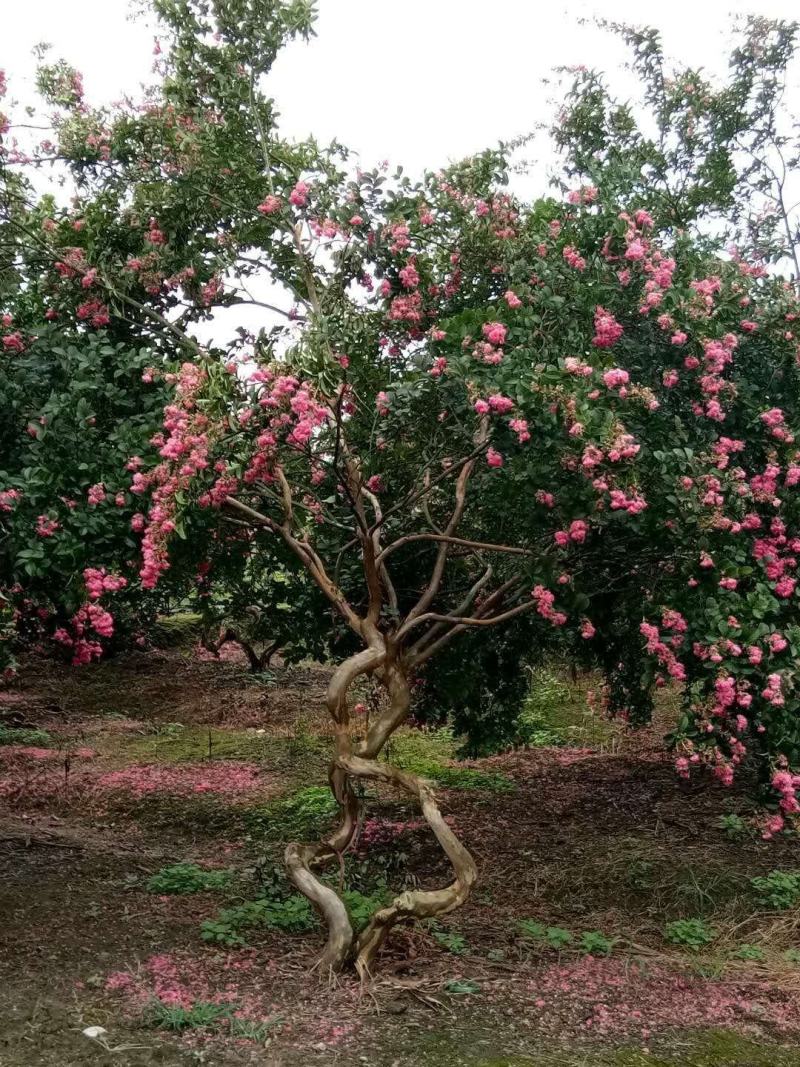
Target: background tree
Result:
[[714, 155]]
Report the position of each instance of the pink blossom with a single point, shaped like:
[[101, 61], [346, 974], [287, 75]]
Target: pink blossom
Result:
[[495, 332], [616, 377], [607, 331], [299, 195], [270, 205]]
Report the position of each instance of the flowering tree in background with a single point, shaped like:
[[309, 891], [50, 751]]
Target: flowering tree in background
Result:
[[97, 292], [478, 413]]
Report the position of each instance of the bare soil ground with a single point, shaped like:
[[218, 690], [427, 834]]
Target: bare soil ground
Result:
[[111, 774]]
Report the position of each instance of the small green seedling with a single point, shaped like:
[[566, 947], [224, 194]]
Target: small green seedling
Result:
[[733, 826], [552, 936], [453, 942], [748, 952], [462, 986]]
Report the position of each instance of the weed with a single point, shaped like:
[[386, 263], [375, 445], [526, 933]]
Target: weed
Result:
[[293, 915], [303, 814], [469, 778], [11, 735], [253, 1031], [593, 943], [792, 955], [169, 729], [733, 826], [163, 1016], [462, 986], [450, 940], [639, 874], [705, 890], [693, 934], [534, 725], [362, 906], [378, 868], [426, 752], [778, 889], [187, 878]]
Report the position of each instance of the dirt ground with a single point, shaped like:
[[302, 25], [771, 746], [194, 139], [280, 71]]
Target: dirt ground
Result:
[[587, 850]]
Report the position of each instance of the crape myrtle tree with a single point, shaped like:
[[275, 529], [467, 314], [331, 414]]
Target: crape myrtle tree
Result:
[[494, 412], [480, 415], [73, 407], [101, 281], [73, 411]]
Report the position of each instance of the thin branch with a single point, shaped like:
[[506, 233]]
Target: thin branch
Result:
[[488, 546]]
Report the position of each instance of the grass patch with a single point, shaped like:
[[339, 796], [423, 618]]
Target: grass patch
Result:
[[204, 1015], [180, 630], [429, 752], [173, 742], [10, 735], [200, 1016], [556, 713], [306, 813], [714, 1048]]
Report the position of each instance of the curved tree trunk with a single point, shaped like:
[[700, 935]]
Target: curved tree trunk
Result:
[[360, 762]]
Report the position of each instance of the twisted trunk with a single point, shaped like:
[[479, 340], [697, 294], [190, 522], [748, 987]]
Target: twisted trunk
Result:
[[352, 763]]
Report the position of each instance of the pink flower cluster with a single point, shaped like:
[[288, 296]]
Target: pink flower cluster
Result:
[[607, 331], [662, 651], [576, 533], [775, 420], [98, 581], [269, 206], [544, 605]]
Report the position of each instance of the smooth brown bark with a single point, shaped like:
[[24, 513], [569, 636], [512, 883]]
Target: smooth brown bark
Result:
[[360, 762]]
